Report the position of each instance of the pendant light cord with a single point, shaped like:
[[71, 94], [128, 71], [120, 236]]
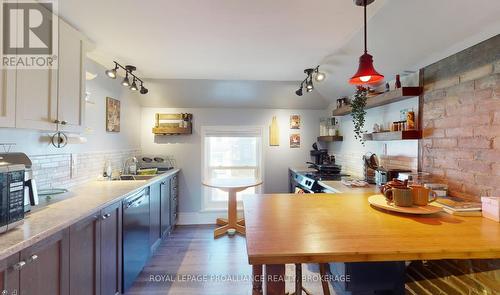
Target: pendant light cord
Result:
[[364, 5]]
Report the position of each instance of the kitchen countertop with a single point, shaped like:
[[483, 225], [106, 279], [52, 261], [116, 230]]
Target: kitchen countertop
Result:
[[81, 201], [337, 187], [320, 228]]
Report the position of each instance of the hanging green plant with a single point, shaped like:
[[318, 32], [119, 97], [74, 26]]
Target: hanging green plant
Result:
[[358, 113]]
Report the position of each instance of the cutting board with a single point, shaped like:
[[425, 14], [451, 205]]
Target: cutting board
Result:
[[379, 201]]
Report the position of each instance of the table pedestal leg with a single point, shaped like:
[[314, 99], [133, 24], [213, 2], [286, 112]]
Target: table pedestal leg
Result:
[[232, 222], [221, 221]]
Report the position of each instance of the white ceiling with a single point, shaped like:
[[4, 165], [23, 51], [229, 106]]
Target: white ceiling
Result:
[[275, 40], [216, 39]]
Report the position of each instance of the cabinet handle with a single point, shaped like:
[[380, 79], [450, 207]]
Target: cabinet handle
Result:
[[19, 265], [32, 258], [57, 121], [64, 122], [105, 216]]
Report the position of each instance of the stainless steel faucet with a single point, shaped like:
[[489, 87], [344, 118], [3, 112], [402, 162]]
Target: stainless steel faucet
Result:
[[130, 166]]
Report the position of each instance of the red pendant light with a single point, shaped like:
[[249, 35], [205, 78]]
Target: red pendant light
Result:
[[366, 73]]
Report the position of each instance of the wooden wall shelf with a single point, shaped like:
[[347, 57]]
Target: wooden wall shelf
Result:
[[383, 99], [393, 135], [328, 138], [173, 124]]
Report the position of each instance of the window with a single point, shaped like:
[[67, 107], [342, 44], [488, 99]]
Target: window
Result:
[[230, 152]]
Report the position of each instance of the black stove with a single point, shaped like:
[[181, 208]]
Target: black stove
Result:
[[324, 176], [309, 181]]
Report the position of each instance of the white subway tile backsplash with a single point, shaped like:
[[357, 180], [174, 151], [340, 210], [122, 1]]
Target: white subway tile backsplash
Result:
[[55, 170]]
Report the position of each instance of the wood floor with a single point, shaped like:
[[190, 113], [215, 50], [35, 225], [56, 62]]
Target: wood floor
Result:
[[191, 262], [215, 267]]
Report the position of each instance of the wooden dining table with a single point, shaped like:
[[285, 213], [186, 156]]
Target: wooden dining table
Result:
[[232, 187], [320, 228]]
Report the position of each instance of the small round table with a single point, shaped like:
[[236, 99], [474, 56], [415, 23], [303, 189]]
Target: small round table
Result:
[[231, 186]]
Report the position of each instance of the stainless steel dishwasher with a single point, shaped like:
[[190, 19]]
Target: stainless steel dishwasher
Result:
[[135, 235]]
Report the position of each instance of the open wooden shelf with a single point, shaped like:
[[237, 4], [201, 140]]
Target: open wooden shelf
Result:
[[170, 124], [172, 130], [383, 99], [393, 135], [328, 138]]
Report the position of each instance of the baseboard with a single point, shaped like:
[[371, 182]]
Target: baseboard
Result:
[[191, 218]]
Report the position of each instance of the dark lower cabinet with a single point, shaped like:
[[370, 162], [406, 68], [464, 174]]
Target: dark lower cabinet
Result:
[[46, 268], [111, 250], [154, 215], [174, 200], [9, 275], [87, 257], [95, 249], [40, 269], [84, 248], [165, 207]]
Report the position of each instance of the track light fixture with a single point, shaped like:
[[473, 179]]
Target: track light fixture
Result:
[[143, 90], [133, 87], [308, 81], [112, 73], [126, 81]]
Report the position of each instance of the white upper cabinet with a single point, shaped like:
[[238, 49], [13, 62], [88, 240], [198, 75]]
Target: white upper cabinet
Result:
[[7, 98], [7, 91], [71, 86], [36, 99], [54, 99]]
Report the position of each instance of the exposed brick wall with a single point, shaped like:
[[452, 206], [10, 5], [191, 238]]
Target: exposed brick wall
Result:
[[461, 120]]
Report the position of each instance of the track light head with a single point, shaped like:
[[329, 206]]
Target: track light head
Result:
[[112, 73], [299, 92], [320, 76], [309, 85], [143, 90], [126, 81], [133, 87]]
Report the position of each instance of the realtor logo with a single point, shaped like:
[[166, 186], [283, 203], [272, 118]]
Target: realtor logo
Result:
[[29, 34]]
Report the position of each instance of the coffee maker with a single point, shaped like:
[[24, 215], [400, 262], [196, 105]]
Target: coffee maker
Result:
[[321, 156], [30, 189]]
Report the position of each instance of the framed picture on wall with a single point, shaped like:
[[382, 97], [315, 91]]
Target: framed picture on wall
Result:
[[294, 140], [295, 122], [112, 115]]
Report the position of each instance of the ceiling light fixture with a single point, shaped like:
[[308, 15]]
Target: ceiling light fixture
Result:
[[320, 77], [133, 87], [308, 81], [143, 90], [366, 73], [112, 73], [126, 81]]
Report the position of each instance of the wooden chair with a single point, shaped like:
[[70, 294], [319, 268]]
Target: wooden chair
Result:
[[323, 271]]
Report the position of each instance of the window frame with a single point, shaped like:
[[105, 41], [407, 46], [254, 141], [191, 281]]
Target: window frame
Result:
[[207, 204]]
